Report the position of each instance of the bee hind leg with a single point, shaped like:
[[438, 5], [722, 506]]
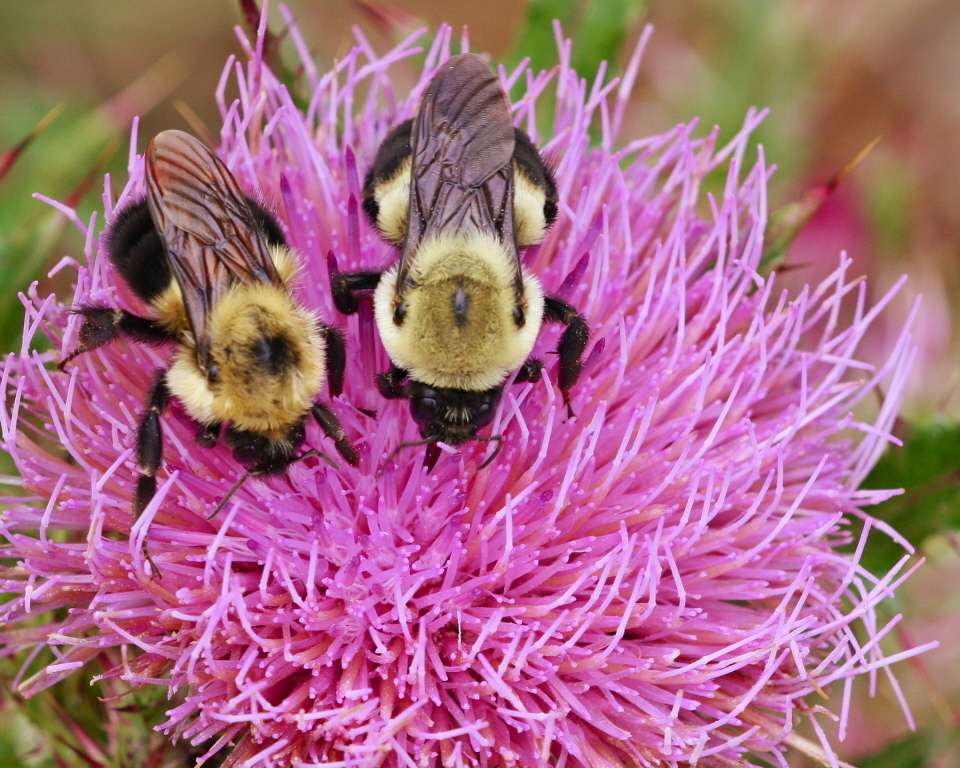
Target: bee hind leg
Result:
[[336, 357], [390, 383], [572, 344], [330, 424], [150, 451], [103, 324]]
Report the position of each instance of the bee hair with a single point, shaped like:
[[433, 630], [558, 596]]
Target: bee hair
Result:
[[136, 249]]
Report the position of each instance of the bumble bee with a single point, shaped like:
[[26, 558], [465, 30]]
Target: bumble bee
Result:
[[461, 192], [215, 268]]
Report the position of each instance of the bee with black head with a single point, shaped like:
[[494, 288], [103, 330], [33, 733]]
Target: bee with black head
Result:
[[216, 270], [461, 192]]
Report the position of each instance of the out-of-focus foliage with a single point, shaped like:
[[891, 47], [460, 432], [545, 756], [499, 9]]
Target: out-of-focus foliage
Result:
[[927, 467], [787, 222], [918, 750], [66, 162], [599, 30], [75, 725]]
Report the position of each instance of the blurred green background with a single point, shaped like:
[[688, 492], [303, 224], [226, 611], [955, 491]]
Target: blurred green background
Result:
[[835, 75]]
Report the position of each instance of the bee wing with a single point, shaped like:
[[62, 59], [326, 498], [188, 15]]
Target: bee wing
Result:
[[210, 234], [462, 172]]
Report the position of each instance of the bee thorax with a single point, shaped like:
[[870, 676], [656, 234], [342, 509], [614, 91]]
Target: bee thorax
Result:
[[460, 327], [266, 363], [461, 302]]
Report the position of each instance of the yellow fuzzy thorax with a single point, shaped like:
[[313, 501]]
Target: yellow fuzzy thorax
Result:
[[168, 306], [436, 347]]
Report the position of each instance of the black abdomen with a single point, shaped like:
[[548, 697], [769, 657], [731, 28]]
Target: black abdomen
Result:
[[135, 248], [530, 163]]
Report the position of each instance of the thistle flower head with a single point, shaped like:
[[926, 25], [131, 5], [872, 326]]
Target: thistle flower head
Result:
[[654, 582]]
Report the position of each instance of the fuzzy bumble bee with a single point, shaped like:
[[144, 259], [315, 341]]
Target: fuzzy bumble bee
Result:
[[215, 268], [461, 192]]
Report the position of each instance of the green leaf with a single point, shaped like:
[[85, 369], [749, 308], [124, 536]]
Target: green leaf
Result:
[[927, 467], [786, 223], [598, 31], [912, 751], [65, 163], [535, 38], [598, 28], [603, 33]]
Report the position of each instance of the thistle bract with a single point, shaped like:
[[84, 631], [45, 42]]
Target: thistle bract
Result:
[[656, 581]]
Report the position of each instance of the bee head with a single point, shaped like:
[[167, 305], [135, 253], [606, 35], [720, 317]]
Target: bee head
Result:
[[451, 416], [263, 454]]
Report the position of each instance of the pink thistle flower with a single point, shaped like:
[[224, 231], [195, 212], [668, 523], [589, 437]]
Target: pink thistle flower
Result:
[[655, 582]]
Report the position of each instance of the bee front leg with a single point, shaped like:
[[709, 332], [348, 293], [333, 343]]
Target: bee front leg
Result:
[[572, 344], [345, 284], [330, 424], [150, 451], [208, 436], [336, 356], [104, 324], [390, 383], [530, 371]]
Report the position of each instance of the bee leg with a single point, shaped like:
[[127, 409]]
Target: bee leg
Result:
[[345, 284], [572, 343], [390, 383], [103, 324], [330, 424], [150, 451], [530, 371], [208, 436], [336, 358]]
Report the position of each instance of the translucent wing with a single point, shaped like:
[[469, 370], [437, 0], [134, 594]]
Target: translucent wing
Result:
[[211, 236], [462, 173]]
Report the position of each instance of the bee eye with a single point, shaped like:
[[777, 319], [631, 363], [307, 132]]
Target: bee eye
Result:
[[423, 409], [518, 317], [400, 313], [248, 447], [486, 410], [485, 415]]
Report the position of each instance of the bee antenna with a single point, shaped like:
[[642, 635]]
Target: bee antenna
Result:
[[411, 444], [233, 490], [430, 441], [62, 365], [315, 452], [251, 473], [493, 438]]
